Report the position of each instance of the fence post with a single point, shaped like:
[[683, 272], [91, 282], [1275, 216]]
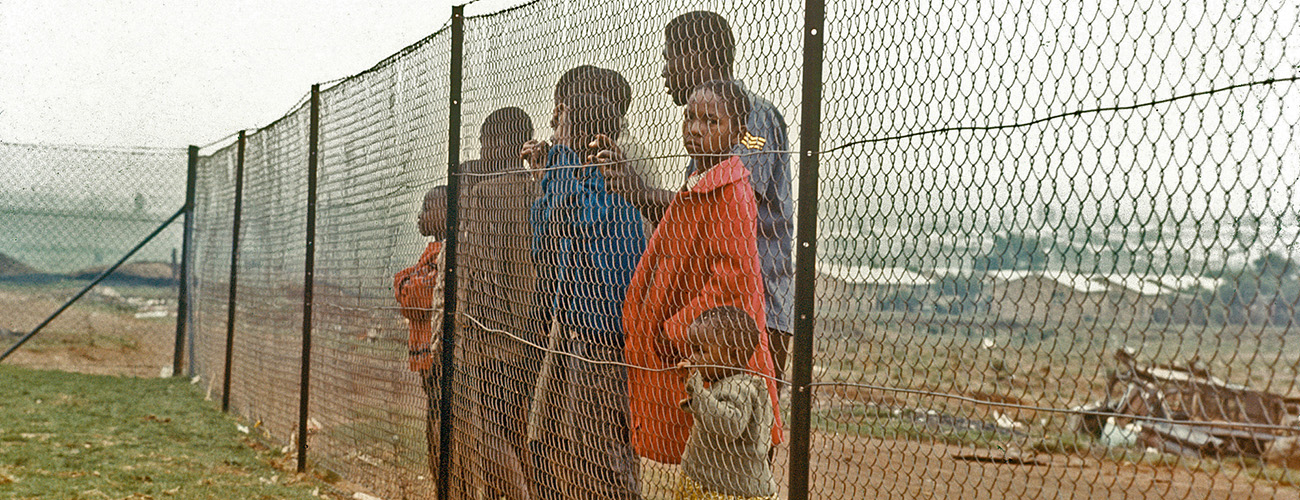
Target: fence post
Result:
[[304, 384], [234, 271], [449, 259], [805, 278], [183, 284]]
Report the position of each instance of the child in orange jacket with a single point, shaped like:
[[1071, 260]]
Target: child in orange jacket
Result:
[[703, 255], [419, 292]]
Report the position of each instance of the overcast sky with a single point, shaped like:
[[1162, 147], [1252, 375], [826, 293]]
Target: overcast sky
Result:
[[170, 74]]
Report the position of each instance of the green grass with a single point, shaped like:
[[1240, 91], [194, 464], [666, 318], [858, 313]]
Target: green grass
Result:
[[889, 427], [74, 436]]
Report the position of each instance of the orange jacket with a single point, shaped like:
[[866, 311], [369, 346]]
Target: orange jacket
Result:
[[418, 293], [704, 254]]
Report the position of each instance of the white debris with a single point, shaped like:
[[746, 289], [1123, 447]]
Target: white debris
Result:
[[1006, 422], [1115, 436], [363, 496], [108, 292], [241, 428], [987, 343]]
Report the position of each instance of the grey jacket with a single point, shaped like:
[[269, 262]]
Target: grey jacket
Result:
[[727, 450]]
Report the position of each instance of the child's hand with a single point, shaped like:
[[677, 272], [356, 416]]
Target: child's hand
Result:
[[534, 153], [619, 177], [683, 370]]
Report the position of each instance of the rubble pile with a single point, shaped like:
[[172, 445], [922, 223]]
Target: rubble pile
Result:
[[1187, 411]]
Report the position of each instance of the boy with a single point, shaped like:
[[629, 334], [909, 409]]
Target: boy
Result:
[[419, 292], [496, 286], [611, 85], [586, 242], [726, 454], [703, 255]]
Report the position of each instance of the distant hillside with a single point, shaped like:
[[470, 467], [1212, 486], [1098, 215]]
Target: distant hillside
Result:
[[132, 270], [10, 266]]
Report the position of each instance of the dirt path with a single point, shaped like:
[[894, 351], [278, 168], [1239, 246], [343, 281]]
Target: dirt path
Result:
[[845, 467], [87, 338]]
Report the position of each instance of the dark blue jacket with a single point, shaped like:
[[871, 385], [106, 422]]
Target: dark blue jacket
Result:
[[586, 242]]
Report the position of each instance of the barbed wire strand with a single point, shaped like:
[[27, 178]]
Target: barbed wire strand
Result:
[[1129, 107], [608, 363], [959, 128]]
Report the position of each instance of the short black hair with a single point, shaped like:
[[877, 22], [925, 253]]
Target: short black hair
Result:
[[588, 79], [591, 114], [510, 123], [437, 195], [732, 326], [704, 32], [734, 99]]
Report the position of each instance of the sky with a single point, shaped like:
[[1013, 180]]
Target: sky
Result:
[[170, 74], [157, 73]]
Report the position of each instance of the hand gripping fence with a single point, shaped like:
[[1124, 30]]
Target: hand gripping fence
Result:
[[790, 249]]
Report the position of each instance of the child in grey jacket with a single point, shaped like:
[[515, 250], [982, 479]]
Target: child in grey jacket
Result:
[[727, 453]]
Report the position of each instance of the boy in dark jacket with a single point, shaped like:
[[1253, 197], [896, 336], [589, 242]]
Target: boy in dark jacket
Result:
[[586, 242]]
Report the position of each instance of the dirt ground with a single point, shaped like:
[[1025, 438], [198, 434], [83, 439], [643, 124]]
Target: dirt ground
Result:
[[102, 338], [851, 468], [99, 337]]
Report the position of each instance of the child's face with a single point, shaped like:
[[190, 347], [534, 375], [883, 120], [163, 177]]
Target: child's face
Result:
[[432, 220], [707, 129], [711, 355]]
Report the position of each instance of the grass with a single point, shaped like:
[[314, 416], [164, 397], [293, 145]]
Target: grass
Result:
[[74, 436], [885, 425]]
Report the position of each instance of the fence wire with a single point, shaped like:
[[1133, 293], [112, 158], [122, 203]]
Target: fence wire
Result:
[[1055, 255]]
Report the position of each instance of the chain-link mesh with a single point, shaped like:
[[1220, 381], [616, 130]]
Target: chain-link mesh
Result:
[[1054, 255], [1019, 191], [68, 213], [73, 209]]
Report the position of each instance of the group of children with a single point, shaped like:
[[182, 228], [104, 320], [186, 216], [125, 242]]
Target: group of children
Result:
[[662, 344], [685, 311]]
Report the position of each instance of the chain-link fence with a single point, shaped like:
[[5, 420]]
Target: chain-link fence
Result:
[[68, 214], [66, 211], [1042, 250]]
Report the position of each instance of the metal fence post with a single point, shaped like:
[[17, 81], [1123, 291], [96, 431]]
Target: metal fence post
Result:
[[805, 278], [449, 262], [304, 384], [183, 283], [234, 271]]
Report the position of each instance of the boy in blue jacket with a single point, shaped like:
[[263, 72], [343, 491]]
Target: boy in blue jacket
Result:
[[586, 243]]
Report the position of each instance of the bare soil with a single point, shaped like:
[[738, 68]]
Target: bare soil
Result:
[[95, 337]]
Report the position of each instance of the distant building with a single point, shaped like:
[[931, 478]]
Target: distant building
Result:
[[1044, 297], [856, 289]]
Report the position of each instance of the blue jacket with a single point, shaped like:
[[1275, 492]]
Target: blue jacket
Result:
[[586, 242]]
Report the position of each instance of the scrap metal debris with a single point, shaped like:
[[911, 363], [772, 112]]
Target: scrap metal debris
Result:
[[1187, 411], [1001, 455]]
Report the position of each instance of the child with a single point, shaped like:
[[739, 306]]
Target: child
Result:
[[586, 242], [702, 255], [495, 291], [419, 291], [726, 454]]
